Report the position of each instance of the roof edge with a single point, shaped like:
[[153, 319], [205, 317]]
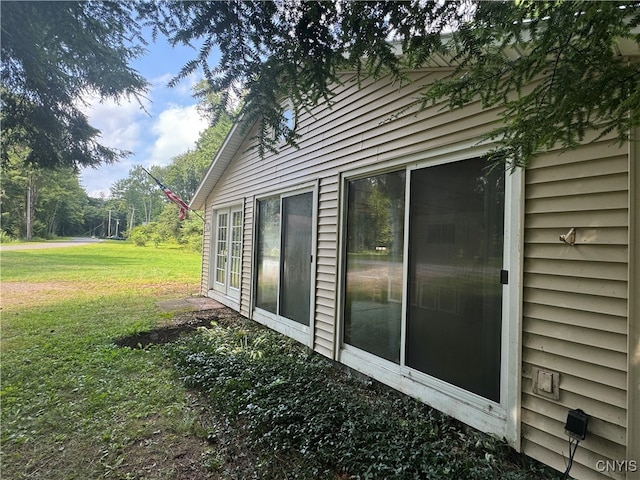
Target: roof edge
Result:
[[221, 160]]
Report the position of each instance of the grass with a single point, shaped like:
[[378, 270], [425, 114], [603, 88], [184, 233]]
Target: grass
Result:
[[234, 401], [73, 404]]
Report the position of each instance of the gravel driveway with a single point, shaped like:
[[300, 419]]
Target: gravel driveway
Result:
[[74, 242]]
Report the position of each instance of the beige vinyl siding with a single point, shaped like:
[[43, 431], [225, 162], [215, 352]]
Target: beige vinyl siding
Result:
[[633, 416], [247, 258], [356, 131], [206, 250], [326, 267], [575, 303], [575, 298], [352, 135]]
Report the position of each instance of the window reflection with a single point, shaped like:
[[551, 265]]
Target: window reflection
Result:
[[268, 253], [373, 285], [295, 295]]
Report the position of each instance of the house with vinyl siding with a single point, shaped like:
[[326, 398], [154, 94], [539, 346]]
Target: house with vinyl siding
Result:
[[383, 244]]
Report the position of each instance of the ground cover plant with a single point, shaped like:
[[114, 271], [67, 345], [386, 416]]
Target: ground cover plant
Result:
[[303, 417], [95, 386]]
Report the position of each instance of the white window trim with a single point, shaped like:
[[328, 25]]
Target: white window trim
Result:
[[503, 418], [224, 293], [290, 328]]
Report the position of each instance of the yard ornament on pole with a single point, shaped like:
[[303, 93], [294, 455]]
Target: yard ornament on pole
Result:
[[184, 208]]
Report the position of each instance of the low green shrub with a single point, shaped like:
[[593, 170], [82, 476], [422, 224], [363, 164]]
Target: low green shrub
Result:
[[139, 239], [5, 237], [302, 414]]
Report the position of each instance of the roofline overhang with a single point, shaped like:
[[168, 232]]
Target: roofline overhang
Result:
[[221, 160]]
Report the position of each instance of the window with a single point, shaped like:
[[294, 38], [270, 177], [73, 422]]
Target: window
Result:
[[236, 249], [283, 258], [375, 244], [268, 254], [221, 248], [227, 257], [425, 293]]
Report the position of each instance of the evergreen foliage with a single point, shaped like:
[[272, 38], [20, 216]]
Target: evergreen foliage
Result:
[[565, 81], [553, 67], [54, 54]]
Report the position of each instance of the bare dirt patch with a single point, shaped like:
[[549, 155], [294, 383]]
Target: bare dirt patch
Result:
[[218, 453], [21, 294], [180, 324], [16, 295], [185, 323]]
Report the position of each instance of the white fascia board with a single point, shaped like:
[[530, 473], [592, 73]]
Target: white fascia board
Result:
[[227, 151]]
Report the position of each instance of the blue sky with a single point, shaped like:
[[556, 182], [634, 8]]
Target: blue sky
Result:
[[170, 126]]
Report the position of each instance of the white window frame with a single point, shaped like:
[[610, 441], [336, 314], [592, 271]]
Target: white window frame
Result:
[[223, 291], [290, 328], [500, 418]]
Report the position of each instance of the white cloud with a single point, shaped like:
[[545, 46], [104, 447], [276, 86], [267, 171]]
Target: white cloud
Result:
[[177, 129], [153, 138], [98, 181], [120, 124]]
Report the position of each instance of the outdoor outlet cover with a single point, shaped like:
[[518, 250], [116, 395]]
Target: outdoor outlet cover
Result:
[[546, 383]]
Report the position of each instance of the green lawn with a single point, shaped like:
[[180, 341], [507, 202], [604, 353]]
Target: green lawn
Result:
[[74, 406]]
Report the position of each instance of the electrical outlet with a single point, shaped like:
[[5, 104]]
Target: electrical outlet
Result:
[[546, 383], [576, 426]]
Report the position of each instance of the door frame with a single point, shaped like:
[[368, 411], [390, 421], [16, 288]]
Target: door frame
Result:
[[500, 418], [226, 294], [297, 331]]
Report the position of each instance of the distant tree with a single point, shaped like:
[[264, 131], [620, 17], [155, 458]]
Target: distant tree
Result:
[[61, 204], [18, 195], [276, 50], [95, 217], [40, 203], [138, 192], [184, 173], [55, 55]]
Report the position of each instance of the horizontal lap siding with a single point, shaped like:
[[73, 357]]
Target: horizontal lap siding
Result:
[[326, 267], [206, 250], [247, 258], [575, 303], [356, 131]]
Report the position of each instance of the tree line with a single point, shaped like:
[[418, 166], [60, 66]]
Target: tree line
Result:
[[39, 202]]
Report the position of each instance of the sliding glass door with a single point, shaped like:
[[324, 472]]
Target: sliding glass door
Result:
[[432, 303], [454, 314], [373, 278], [284, 240], [295, 267]]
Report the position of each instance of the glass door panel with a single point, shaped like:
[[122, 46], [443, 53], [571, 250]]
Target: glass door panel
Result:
[[456, 230], [268, 254], [221, 249], [236, 249], [295, 292], [373, 279]]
